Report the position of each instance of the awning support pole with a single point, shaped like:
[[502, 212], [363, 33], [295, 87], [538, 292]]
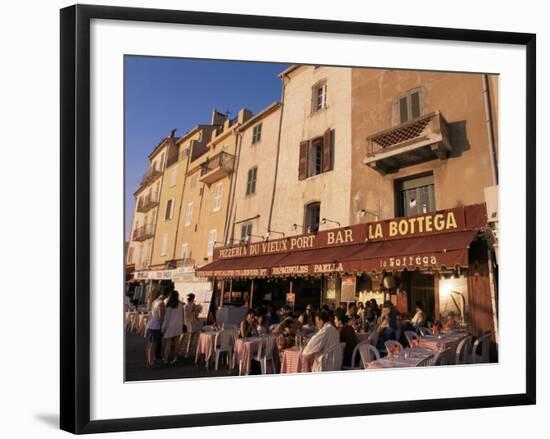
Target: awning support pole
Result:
[[251, 292], [493, 293]]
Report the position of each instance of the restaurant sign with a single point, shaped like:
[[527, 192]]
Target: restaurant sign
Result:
[[460, 218]]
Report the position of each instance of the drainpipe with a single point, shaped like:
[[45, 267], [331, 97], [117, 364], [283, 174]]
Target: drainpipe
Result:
[[277, 157], [492, 288], [232, 186], [157, 215], [189, 151], [490, 127]]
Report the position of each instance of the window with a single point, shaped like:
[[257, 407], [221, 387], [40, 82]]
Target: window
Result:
[[415, 195], [164, 246], [316, 156], [251, 181], [319, 97], [194, 180], [174, 177], [218, 197], [185, 251], [256, 133], [246, 231], [169, 212], [189, 214], [409, 105], [312, 217], [212, 236]]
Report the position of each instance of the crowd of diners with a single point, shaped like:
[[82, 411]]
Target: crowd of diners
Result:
[[330, 325]]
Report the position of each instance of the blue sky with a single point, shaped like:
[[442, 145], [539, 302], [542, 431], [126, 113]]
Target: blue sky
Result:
[[166, 93]]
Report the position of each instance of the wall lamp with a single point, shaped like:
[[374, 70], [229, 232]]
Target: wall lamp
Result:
[[364, 212], [296, 226], [274, 231], [326, 220]]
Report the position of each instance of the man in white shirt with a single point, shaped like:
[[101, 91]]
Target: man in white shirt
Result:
[[325, 341]]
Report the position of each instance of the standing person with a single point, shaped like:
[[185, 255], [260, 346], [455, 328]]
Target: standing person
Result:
[[322, 342], [172, 327], [154, 326], [191, 319]]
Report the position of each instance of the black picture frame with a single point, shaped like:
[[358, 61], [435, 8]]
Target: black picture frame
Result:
[[75, 217]]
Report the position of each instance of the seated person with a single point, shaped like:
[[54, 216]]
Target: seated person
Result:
[[322, 342], [347, 335], [262, 325], [419, 319], [387, 325], [248, 327], [285, 334], [308, 316]]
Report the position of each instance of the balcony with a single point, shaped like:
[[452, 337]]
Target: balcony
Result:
[[146, 203], [422, 139], [150, 176], [217, 167], [176, 263], [143, 233]]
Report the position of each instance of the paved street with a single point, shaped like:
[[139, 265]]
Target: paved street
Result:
[[184, 368]]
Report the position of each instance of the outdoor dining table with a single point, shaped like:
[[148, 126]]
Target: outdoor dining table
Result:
[[244, 350], [205, 345], [292, 361], [449, 339], [406, 358]]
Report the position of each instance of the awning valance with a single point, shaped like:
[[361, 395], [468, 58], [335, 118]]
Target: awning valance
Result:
[[439, 251]]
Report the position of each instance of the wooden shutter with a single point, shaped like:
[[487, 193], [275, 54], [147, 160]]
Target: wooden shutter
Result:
[[327, 146], [302, 163]]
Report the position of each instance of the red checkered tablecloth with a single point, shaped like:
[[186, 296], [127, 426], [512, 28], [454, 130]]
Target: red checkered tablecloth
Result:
[[292, 361]]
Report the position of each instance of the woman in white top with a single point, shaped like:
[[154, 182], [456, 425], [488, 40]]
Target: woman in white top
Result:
[[419, 319], [172, 327]]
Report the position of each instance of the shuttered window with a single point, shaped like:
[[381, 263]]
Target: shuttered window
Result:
[[169, 212], [312, 213], [257, 133], [164, 245], [316, 155], [189, 214], [212, 236], [319, 97], [409, 105], [246, 231], [218, 197], [251, 181]]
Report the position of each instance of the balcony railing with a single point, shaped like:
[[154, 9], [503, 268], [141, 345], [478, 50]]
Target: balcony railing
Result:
[[419, 140], [176, 263], [217, 167], [143, 233], [150, 176], [147, 202]]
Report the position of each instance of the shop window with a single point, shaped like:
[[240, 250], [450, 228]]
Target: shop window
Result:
[[257, 133], [251, 181], [409, 105], [415, 195], [312, 217], [316, 155]]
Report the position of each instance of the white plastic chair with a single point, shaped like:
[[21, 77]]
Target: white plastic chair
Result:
[[443, 358], [410, 336], [463, 353], [485, 342], [373, 338], [392, 344], [425, 331], [368, 353], [354, 357], [223, 343], [426, 362], [265, 355]]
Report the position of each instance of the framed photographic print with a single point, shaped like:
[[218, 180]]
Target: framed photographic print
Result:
[[295, 206]]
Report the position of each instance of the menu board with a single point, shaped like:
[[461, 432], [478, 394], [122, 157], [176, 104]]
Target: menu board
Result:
[[347, 290]]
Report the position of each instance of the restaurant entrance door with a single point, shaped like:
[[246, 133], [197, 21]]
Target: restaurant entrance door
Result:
[[420, 287]]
